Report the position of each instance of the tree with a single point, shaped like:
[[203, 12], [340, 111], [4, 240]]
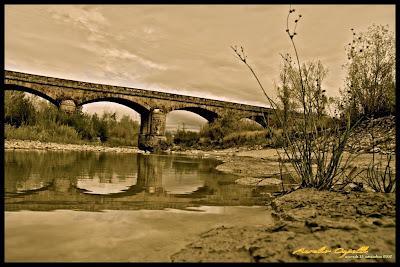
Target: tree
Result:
[[290, 94], [285, 92], [371, 77], [18, 109]]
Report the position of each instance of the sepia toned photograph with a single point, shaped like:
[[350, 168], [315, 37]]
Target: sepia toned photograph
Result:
[[200, 133]]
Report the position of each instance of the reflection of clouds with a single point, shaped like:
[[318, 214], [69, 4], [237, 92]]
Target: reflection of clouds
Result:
[[105, 183], [184, 185], [35, 181]]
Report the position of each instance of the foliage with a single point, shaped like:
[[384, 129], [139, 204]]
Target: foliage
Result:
[[186, 138], [226, 125]]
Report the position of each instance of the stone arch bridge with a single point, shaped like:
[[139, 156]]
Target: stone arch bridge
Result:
[[153, 106]]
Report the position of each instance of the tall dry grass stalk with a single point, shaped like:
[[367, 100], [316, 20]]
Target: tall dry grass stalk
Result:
[[313, 148]]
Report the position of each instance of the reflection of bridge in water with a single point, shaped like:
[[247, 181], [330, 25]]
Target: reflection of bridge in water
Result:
[[149, 191]]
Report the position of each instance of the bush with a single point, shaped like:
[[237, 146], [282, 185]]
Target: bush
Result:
[[186, 138], [381, 177], [230, 130], [245, 138]]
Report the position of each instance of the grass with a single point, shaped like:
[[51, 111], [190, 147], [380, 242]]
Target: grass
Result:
[[59, 134]]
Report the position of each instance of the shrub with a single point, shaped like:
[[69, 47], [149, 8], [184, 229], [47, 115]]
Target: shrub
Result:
[[186, 138], [381, 177], [316, 160]]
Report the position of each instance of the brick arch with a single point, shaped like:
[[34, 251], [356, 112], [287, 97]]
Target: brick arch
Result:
[[14, 87]]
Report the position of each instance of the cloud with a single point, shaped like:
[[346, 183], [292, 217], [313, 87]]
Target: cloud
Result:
[[86, 18], [124, 54]]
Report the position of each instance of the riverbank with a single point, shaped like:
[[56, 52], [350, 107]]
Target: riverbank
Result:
[[37, 145], [310, 226]]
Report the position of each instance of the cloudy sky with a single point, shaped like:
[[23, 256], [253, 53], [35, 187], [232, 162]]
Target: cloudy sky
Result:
[[183, 49]]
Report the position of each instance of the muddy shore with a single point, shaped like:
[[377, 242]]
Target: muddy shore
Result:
[[310, 226]]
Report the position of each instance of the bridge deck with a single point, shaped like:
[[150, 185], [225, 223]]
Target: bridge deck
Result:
[[88, 86]]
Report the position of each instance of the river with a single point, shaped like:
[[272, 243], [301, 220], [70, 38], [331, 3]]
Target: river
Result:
[[110, 207]]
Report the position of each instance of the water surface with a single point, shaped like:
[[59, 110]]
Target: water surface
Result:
[[87, 206]]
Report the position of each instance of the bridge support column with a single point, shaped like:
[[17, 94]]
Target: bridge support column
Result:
[[68, 106], [152, 130]]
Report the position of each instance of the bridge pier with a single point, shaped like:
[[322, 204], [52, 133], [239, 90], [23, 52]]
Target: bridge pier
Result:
[[68, 106], [152, 130]]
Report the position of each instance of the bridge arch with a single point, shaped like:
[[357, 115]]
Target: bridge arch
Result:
[[259, 119], [210, 116], [128, 103], [253, 123], [13, 87]]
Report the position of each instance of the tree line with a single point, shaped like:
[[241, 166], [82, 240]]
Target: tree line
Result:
[[29, 118]]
